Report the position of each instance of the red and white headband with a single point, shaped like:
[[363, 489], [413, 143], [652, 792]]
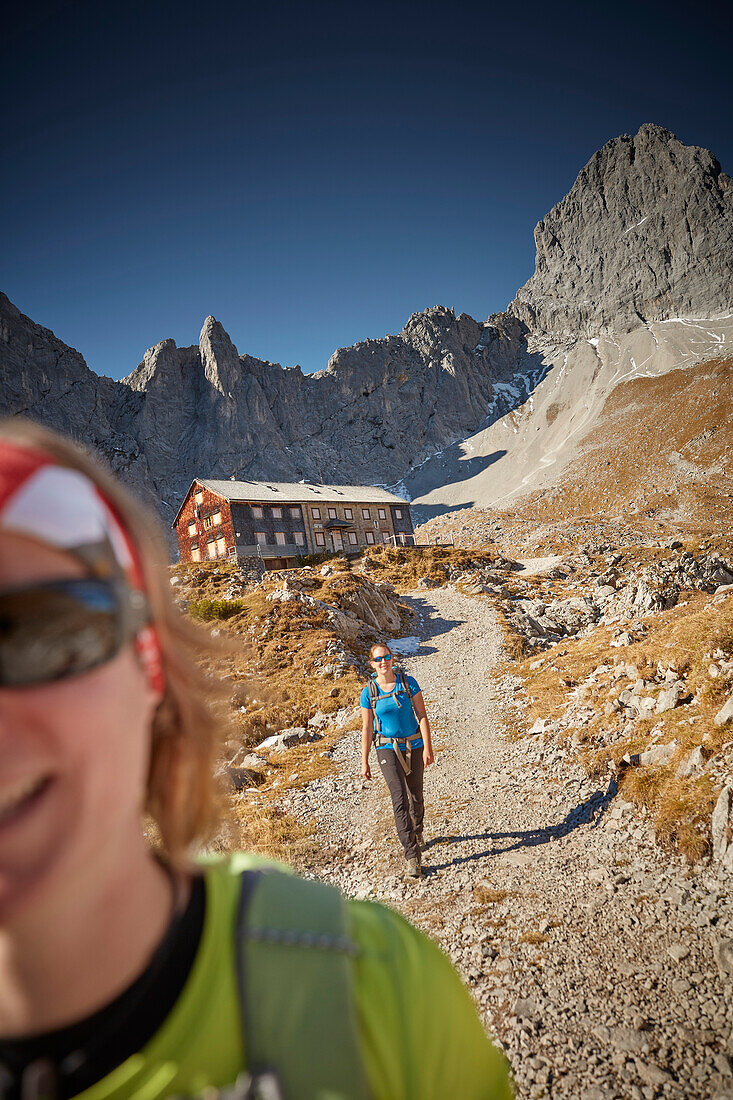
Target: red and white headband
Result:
[[64, 508]]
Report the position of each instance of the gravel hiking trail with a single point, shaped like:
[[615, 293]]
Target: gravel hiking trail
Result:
[[603, 969]]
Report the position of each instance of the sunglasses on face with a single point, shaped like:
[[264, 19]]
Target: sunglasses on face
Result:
[[386, 657], [59, 629]]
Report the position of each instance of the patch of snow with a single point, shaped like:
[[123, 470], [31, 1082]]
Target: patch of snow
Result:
[[594, 343], [405, 646], [635, 226]]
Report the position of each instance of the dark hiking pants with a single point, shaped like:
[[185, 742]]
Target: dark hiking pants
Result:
[[406, 794]]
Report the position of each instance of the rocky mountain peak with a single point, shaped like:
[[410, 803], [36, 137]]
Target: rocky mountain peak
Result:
[[631, 240], [219, 357]]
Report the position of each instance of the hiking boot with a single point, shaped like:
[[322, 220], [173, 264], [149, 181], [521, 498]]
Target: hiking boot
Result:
[[414, 870]]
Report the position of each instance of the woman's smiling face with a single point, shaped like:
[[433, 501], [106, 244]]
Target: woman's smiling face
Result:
[[73, 757], [382, 659]]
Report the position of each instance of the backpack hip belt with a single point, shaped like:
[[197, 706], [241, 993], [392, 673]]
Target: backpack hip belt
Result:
[[396, 744]]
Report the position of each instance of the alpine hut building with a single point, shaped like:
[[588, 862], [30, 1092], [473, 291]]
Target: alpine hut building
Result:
[[275, 523]]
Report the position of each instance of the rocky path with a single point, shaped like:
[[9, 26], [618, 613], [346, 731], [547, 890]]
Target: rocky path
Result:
[[603, 970]]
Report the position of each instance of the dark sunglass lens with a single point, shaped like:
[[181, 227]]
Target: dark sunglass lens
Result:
[[57, 630]]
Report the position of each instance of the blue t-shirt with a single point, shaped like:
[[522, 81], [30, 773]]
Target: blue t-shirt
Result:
[[395, 716]]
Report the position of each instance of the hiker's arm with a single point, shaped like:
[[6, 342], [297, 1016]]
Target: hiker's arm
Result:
[[420, 713], [367, 734]]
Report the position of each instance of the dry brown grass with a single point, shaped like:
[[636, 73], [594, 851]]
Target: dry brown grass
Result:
[[533, 937], [662, 447], [486, 895], [404, 566]]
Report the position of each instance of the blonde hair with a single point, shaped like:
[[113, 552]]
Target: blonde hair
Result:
[[379, 645], [182, 796]]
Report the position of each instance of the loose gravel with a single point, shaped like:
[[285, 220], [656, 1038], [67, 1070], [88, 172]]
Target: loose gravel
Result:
[[603, 969]]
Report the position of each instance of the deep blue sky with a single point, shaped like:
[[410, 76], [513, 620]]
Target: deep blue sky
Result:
[[312, 173]]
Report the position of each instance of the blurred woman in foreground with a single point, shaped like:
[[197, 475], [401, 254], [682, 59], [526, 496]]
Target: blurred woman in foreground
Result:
[[128, 972]]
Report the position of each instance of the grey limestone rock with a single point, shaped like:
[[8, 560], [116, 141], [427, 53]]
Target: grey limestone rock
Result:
[[645, 232], [670, 696], [725, 713], [379, 407], [658, 754], [630, 242], [722, 828]]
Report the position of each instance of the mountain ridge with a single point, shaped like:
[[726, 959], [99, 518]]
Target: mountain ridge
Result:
[[385, 407]]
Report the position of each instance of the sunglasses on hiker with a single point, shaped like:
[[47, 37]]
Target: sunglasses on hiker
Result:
[[386, 657], [59, 629]]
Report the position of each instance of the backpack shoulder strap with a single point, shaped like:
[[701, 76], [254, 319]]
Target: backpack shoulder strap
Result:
[[373, 697], [405, 683], [295, 979]]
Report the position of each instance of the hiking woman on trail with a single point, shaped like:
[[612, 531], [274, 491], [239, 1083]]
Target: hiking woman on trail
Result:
[[394, 718], [129, 966]]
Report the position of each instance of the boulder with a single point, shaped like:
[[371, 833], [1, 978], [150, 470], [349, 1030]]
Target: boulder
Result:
[[285, 739], [725, 713], [722, 828], [658, 754], [293, 736], [254, 761], [693, 764], [242, 778], [723, 952], [670, 696]]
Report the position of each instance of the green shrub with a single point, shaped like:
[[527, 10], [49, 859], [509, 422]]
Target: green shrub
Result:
[[208, 609]]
